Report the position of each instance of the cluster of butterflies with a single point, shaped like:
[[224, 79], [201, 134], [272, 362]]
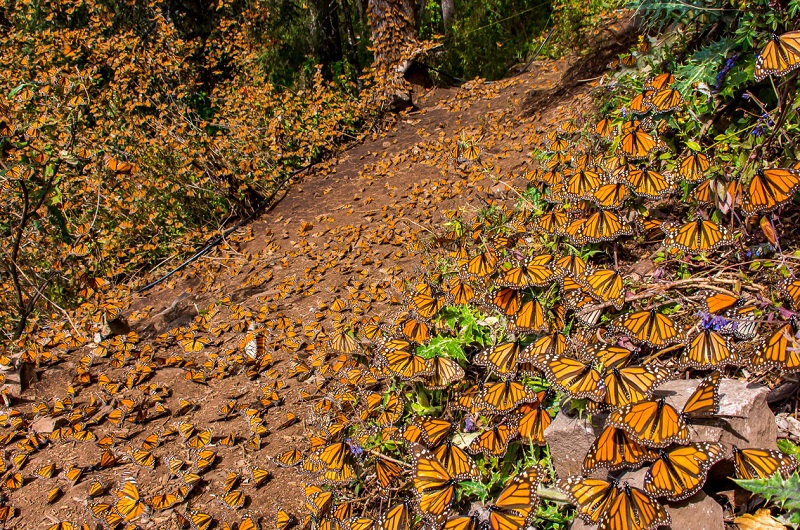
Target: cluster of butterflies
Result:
[[565, 333]]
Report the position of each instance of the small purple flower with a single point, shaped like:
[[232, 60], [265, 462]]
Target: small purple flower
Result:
[[469, 425], [757, 131], [354, 448], [724, 73]]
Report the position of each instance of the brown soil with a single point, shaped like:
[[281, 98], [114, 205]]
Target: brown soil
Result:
[[342, 230]]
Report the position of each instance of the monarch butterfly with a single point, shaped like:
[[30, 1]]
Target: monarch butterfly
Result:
[[615, 450], [533, 422], [234, 499], [547, 347], [529, 319], [609, 356], [434, 485], [641, 103], [445, 372], [504, 396], [666, 100], [649, 327], [501, 359], [693, 166], [205, 459], [415, 330], [426, 305], [603, 225], [680, 473], [387, 472], [606, 284], [164, 502], [580, 380], [506, 300], [461, 292], [628, 61], [632, 383], [533, 272], [396, 518], [432, 430], [652, 423], [288, 458], [780, 56], [769, 189], [660, 82], [582, 182], [342, 342], [144, 458], [200, 520], [483, 264], [761, 463], [610, 196], [637, 144], [462, 522], [604, 128], [118, 166], [456, 461], [790, 288], [517, 503], [648, 183], [707, 350], [604, 502], [129, 503], [407, 365], [283, 520], [736, 308], [494, 442], [333, 456], [780, 350], [698, 236]]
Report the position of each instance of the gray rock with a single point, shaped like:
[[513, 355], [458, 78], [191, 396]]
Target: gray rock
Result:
[[745, 419], [569, 439]]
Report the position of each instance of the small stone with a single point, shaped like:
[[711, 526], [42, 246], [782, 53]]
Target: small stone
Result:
[[47, 424], [569, 439], [744, 419]]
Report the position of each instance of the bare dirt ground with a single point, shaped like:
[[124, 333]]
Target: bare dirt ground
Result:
[[345, 231]]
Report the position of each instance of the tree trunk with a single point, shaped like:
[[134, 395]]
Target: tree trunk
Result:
[[448, 14], [325, 36], [392, 23]]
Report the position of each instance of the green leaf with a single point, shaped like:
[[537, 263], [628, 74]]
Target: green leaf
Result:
[[694, 146], [783, 492]]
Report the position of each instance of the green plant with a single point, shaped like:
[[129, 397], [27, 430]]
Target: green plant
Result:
[[783, 492]]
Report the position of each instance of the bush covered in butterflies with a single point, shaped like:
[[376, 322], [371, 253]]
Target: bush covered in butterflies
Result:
[[124, 141], [651, 242]]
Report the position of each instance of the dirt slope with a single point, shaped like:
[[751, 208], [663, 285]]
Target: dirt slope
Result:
[[346, 231]]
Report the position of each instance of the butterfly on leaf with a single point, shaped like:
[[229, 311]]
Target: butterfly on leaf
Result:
[[769, 189], [517, 502], [762, 463], [697, 236], [434, 486], [494, 441], [707, 350], [650, 328], [780, 350], [779, 57]]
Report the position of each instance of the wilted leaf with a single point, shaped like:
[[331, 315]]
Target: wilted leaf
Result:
[[761, 520]]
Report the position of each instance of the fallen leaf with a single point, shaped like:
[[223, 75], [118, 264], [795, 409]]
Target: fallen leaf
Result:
[[761, 520]]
